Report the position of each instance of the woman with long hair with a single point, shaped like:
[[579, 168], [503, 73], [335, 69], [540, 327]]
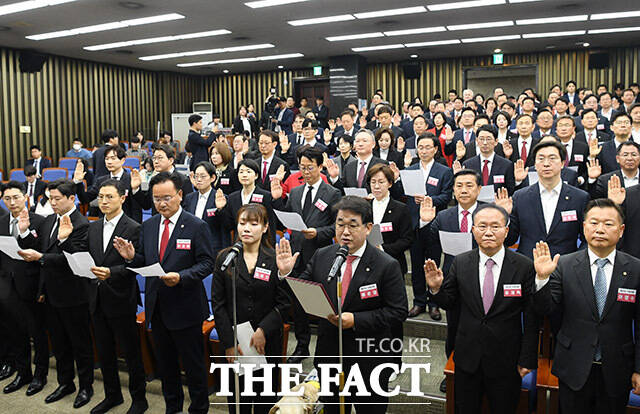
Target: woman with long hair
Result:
[[221, 158]]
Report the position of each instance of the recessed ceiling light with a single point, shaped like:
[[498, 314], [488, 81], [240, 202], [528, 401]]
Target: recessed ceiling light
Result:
[[434, 43], [241, 60], [413, 56], [490, 38], [29, 5], [464, 4], [420, 30], [616, 15], [480, 25], [107, 26], [373, 48], [354, 37], [497, 50], [391, 12], [561, 19], [156, 40], [553, 34], [207, 51], [131, 5], [586, 44], [269, 3], [280, 67], [550, 47], [614, 30], [319, 20], [225, 71]]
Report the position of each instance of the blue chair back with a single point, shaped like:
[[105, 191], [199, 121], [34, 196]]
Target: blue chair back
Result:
[[17, 175], [52, 174], [133, 162]]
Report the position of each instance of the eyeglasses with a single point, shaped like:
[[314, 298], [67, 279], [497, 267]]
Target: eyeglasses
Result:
[[309, 168], [158, 158], [352, 226], [264, 143], [483, 228], [625, 122], [165, 199], [201, 177], [485, 140], [629, 154], [550, 158]]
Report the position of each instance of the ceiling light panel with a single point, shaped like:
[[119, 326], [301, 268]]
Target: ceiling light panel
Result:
[[420, 30], [490, 39], [207, 52], [614, 30], [270, 3], [434, 43], [560, 19], [464, 4], [616, 15], [319, 20], [107, 26], [241, 60], [391, 12], [354, 37], [161, 39], [504, 23], [553, 34], [29, 5], [374, 48]]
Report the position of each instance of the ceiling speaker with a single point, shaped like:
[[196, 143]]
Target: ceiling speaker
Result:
[[31, 62]]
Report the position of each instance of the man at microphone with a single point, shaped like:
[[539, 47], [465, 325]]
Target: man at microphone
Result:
[[373, 300]]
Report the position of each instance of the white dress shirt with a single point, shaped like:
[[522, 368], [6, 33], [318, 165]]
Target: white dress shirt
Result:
[[202, 203], [549, 200], [108, 227], [173, 220], [36, 163], [268, 160], [607, 114], [635, 134], [590, 134], [354, 264], [608, 269], [379, 208], [527, 144], [426, 170], [498, 259], [469, 216], [314, 190], [366, 166], [245, 123], [502, 137], [246, 198], [119, 175], [489, 164], [31, 192], [384, 153], [630, 181], [569, 147]]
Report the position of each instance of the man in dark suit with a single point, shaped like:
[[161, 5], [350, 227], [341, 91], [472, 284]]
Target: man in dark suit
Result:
[[606, 110], [321, 112], [438, 181], [311, 137], [549, 210], [629, 201], [385, 117], [198, 145], [594, 291], [296, 137], [628, 159], [520, 148], [37, 160], [33, 186], [114, 161], [268, 161], [601, 124], [313, 201], [570, 93], [174, 306], [373, 300], [419, 126], [465, 134], [494, 169], [606, 154], [109, 138], [113, 300], [497, 335], [283, 117], [577, 151], [65, 294], [19, 292]]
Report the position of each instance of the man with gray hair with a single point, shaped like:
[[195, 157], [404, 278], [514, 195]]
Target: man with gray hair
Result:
[[467, 95]]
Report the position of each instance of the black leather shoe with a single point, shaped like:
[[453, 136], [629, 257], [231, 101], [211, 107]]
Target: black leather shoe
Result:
[[443, 386], [435, 314], [83, 397], [106, 405], [60, 392], [138, 406], [6, 371], [37, 384], [298, 356], [18, 382], [415, 311]]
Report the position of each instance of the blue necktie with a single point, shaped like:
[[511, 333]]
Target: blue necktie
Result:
[[600, 289]]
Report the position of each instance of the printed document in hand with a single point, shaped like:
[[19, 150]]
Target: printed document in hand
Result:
[[375, 236], [413, 182], [153, 270], [81, 264], [292, 221], [360, 192], [487, 194], [9, 246], [250, 354], [454, 243], [312, 297]]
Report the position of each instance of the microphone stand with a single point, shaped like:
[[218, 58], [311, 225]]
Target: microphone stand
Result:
[[235, 333], [340, 356]]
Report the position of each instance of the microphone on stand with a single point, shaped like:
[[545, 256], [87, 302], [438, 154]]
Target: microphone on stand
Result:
[[341, 256], [231, 256]]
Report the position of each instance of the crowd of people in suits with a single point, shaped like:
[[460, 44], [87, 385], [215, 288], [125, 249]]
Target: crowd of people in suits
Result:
[[564, 170]]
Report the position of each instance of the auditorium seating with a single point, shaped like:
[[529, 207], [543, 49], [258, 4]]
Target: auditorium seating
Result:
[[133, 162], [69, 163], [52, 174], [17, 174]]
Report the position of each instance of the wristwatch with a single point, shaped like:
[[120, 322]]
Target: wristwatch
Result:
[[41, 261]]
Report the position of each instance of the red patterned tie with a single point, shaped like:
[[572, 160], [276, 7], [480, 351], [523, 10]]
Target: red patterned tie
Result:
[[361, 173], [523, 152], [346, 277], [165, 238], [485, 173], [464, 223], [264, 172]]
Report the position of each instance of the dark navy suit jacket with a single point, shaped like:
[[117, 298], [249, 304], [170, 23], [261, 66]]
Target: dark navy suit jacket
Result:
[[211, 216], [438, 186], [501, 171]]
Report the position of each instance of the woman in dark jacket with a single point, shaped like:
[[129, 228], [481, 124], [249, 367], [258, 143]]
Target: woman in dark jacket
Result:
[[226, 178], [386, 147]]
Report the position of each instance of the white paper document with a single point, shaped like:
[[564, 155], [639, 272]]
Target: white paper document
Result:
[[153, 270], [413, 182], [375, 237], [81, 264], [487, 194], [292, 221], [250, 354], [454, 243], [312, 297], [533, 177], [360, 192], [9, 246]]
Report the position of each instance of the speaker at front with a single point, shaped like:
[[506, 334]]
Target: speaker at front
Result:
[[412, 70], [31, 62]]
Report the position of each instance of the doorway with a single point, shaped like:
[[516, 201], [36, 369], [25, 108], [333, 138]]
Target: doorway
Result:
[[311, 89]]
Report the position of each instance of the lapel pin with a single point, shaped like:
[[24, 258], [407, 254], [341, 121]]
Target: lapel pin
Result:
[[389, 211], [624, 273], [367, 269], [566, 198], [182, 226], [263, 264]]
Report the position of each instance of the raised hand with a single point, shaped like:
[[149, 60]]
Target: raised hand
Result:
[[136, 179], [23, 221], [284, 259], [364, 112], [363, 122], [408, 158], [433, 276], [221, 200], [280, 172], [461, 151], [427, 210], [245, 148], [594, 148], [284, 142], [594, 170], [276, 189], [395, 169], [124, 247], [192, 178], [503, 200], [332, 168], [542, 261], [65, 228], [616, 192], [338, 122], [519, 172], [507, 149], [332, 125], [397, 120], [400, 144], [327, 136], [79, 173]]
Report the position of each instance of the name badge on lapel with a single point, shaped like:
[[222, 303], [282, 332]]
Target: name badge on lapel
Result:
[[126, 192], [183, 244], [369, 291], [626, 295], [321, 205], [600, 127], [256, 198], [262, 274], [271, 177], [33, 232], [385, 227], [569, 215], [211, 212], [432, 181], [512, 291], [224, 181], [578, 157], [498, 179]]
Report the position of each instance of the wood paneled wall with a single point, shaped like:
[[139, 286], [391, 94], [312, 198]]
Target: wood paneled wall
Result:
[[438, 76]]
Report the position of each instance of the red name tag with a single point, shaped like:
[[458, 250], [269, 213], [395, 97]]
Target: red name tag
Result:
[[385, 227], [578, 157], [368, 291], [498, 179], [224, 181], [262, 274], [211, 212], [256, 198], [321, 205], [570, 215], [34, 233], [183, 244], [600, 127], [512, 291], [626, 295], [432, 181]]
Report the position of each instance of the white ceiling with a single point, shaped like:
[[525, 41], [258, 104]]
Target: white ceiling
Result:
[[269, 25]]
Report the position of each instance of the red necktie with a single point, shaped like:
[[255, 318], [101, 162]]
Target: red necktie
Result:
[[346, 277], [466, 137], [464, 223], [264, 171], [566, 160], [523, 152], [485, 173], [361, 173], [165, 238]]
